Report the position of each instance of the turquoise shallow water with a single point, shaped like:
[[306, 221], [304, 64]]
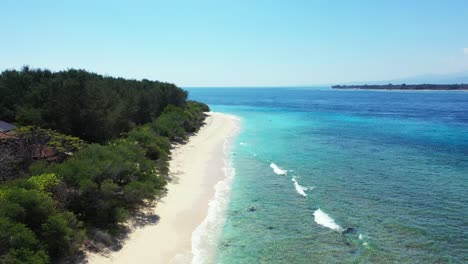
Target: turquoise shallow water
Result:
[[391, 165]]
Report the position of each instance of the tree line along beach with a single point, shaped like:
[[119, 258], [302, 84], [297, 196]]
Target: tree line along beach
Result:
[[87, 155]]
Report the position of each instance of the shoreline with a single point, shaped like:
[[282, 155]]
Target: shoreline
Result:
[[200, 172]]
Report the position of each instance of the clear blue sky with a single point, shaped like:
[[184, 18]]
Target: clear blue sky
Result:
[[238, 43]]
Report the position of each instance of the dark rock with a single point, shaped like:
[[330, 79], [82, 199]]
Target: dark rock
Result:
[[348, 230]]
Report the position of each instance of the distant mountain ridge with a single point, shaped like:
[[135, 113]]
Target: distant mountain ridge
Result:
[[460, 77], [452, 78], [445, 87]]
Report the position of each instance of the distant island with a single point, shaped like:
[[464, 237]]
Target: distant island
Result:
[[438, 87]]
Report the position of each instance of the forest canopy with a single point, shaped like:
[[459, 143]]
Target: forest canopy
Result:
[[86, 105]]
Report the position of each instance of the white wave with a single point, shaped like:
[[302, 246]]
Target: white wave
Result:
[[278, 170], [206, 235], [242, 143], [299, 188], [360, 237], [325, 220]]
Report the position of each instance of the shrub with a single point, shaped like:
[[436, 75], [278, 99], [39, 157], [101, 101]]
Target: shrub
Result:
[[33, 213], [103, 180]]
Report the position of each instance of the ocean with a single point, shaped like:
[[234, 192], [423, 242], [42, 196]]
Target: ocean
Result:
[[331, 176]]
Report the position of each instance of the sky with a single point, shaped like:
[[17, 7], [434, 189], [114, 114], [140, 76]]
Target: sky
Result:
[[239, 42]]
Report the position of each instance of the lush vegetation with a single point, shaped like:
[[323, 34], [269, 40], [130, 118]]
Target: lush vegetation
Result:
[[89, 106], [454, 87], [33, 227], [58, 191]]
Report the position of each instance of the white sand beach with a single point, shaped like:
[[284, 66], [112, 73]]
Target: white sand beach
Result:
[[196, 168]]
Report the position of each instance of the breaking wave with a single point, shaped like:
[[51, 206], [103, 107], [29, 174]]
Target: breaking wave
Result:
[[278, 170], [325, 220], [299, 188]]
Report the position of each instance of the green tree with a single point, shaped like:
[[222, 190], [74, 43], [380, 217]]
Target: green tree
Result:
[[18, 244]]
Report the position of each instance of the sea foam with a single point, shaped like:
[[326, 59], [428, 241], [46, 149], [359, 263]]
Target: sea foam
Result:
[[278, 170], [299, 188], [325, 220]]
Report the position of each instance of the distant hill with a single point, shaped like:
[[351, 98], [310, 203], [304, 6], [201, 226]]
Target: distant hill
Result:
[[460, 77], [452, 78], [445, 87]]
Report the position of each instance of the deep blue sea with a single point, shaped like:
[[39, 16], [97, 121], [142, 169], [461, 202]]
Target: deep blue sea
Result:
[[393, 166]]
